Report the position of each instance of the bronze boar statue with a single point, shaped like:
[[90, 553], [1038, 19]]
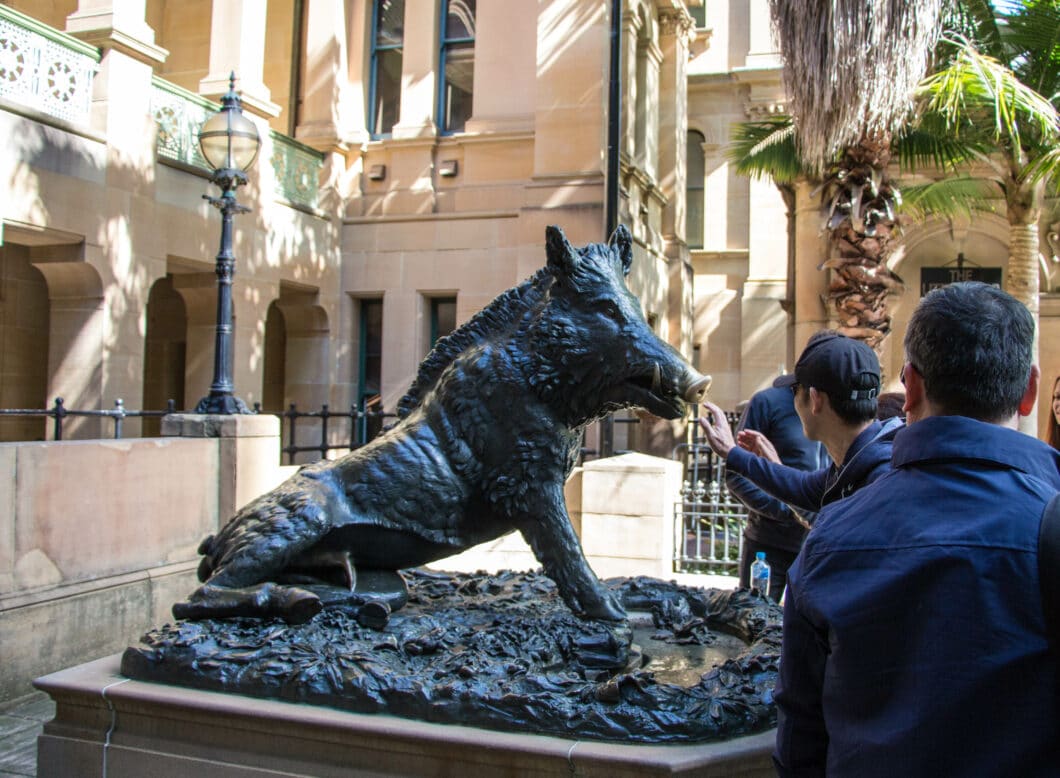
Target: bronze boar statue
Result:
[[488, 433]]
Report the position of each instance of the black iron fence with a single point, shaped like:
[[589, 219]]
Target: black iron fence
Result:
[[360, 427], [708, 520], [58, 413]]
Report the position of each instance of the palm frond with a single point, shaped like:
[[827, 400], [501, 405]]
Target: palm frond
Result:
[[963, 196], [1046, 166], [1031, 36], [765, 149], [929, 143], [976, 86]]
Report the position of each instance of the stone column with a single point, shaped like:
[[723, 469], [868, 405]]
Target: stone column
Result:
[[627, 515], [676, 27], [419, 71], [331, 117], [237, 44], [116, 25], [762, 50], [811, 284], [505, 76]]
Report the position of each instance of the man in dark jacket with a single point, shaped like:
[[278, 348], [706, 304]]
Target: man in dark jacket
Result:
[[772, 526], [835, 385], [915, 639]]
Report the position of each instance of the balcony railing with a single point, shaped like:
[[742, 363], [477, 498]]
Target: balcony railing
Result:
[[179, 114], [297, 170], [44, 69]]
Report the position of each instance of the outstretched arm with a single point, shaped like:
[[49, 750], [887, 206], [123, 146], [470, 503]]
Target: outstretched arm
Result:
[[798, 488]]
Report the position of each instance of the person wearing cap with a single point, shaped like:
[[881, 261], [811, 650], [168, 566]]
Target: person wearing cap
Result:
[[772, 527], [835, 385], [916, 636]]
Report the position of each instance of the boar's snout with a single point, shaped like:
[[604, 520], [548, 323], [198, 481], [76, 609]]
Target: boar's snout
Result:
[[696, 390]]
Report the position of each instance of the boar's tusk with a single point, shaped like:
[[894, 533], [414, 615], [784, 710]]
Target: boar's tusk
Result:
[[656, 379]]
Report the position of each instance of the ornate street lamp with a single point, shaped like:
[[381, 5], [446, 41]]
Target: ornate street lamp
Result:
[[230, 143]]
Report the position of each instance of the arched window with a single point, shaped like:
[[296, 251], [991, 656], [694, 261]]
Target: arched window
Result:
[[694, 191]]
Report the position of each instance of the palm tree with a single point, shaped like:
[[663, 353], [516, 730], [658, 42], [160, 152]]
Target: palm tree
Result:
[[850, 71], [975, 110], [1000, 94]]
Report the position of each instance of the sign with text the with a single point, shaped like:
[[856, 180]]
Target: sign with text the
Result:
[[935, 277]]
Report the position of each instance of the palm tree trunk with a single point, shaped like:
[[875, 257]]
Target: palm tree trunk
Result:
[[862, 228], [1024, 211]]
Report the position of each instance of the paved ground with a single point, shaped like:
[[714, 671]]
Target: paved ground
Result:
[[21, 721]]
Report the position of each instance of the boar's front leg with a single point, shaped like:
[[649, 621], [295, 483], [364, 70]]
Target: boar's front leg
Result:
[[557, 548]]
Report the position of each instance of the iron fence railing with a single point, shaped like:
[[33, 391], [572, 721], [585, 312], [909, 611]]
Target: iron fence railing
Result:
[[708, 520], [364, 425], [58, 413]]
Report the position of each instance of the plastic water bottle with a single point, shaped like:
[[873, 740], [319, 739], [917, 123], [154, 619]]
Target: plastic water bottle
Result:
[[760, 574]]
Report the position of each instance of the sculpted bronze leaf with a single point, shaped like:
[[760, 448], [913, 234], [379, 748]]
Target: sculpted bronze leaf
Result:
[[489, 432]]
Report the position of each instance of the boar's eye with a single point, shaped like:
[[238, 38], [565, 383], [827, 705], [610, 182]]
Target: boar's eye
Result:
[[609, 309]]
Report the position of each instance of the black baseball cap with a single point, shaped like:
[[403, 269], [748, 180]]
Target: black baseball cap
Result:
[[831, 364]]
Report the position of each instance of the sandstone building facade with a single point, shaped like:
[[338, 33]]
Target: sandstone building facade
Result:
[[413, 152]]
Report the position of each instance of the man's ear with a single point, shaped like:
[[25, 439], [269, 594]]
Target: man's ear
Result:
[[915, 398], [1030, 395], [817, 400]]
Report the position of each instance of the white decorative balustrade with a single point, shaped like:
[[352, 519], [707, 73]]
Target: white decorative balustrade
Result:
[[44, 69]]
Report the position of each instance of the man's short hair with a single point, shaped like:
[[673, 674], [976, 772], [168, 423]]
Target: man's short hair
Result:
[[972, 343]]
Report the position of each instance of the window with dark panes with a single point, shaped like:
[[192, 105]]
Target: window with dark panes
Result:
[[443, 317], [370, 368], [457, 64], [695, 191], [388, 37]]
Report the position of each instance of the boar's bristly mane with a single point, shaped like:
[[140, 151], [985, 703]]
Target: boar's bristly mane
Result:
[[499, 316]]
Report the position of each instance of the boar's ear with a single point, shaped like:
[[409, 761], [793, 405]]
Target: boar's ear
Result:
[[562, 256], [623, 241]]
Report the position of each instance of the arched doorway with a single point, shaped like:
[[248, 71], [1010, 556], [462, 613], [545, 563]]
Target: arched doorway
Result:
[[165, 352], [24, 322]]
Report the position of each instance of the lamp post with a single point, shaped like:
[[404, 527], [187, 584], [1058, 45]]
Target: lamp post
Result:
[[230, 143]]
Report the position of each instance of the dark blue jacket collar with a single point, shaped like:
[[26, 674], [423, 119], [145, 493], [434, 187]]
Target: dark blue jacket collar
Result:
[[954, 438], [866, 459]]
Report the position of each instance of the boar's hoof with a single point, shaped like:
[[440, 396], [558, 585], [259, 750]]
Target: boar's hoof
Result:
[[297, 606], [606, 608], [374, 614]]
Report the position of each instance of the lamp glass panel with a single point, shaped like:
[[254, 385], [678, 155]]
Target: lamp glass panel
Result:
[[229, 140]]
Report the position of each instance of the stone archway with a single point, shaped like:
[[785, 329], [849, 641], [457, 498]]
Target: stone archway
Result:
[[76, 335], [165, 351], [297, 347], [935, 243], [24, 320]]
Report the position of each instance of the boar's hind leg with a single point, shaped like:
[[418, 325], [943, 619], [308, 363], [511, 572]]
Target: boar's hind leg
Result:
[[560, 553], [293, 605], [252, 552]]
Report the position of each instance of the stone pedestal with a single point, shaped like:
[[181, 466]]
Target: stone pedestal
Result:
[[627, 515], [132, 728], [248, 456]]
